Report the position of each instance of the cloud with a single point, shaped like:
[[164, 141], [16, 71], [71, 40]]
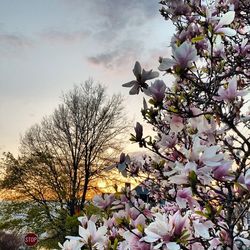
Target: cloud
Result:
[[110, 19], [120, 13], [120, 29], [12, 44], [105, 59], [15, 40], [119, 56], [117, 16], [65, 36], [115, 10]]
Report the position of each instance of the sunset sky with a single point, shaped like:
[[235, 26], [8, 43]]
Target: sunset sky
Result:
[[48, 46]]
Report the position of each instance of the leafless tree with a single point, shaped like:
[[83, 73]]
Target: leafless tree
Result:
[[68, 150]]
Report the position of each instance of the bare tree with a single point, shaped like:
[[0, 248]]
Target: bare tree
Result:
[[69, 149]]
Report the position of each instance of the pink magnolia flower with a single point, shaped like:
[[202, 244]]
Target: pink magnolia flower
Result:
[[226, 19], [140, 221], [167, 141], [84, 219], [208, 158], [178, 8], [214, 243], [219, 48], [185, 196], [246, 242], [166, 229], [202, 228], [230, 93], [90, 235], [176, 124], [71, 245], [194, 153], [133, 240], [109, 223], [211, 156], [222, 172], [103, 201], [141, 77], [183, 57], [132, 212], [120, 216], [200, 123], [180, 173], [224, 237], [243, 48], [244, 30], [123, 245], [157, 90], [123, 164], [197, 246]]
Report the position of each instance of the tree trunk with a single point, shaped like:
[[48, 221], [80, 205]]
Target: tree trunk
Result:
[[85, 189]]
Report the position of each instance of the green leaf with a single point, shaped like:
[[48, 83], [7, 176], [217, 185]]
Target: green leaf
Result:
[[202, 214], [184, 236], [192, 177], [152, 101], [173, 109], [219, 209], [197, 39], [140, 228], [116, 243]]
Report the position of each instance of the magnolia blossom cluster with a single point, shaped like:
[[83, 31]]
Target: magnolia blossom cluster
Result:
[[198, 179]]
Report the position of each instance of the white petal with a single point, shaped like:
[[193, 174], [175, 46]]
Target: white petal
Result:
[[140, 220], [178, 51], [91, 227], [100, 234], [83, 233], [178, 179], [181, 202], [173, 246], [245, 241], [227, 18], [151, 236], [158, 245], [232, 86], [166, 64], [211, 151], [60, 245], [149, 239], [226, 31], [212, 163], [201, 230], [176, 127], [148, 75], [102, 231]]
